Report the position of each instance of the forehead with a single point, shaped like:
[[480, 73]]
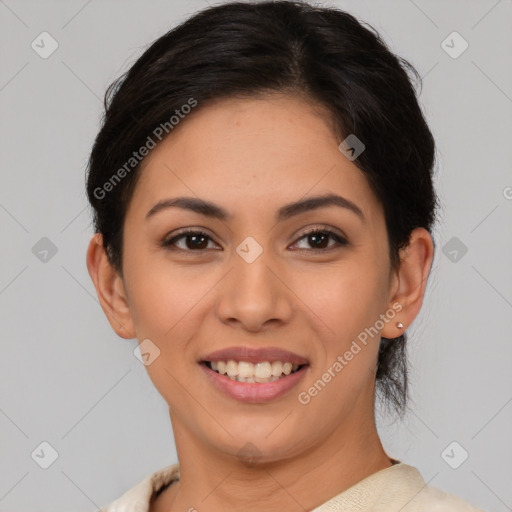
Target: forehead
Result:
[[248, 152]]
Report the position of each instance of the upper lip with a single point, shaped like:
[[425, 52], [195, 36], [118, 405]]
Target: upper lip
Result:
[[255, 355]]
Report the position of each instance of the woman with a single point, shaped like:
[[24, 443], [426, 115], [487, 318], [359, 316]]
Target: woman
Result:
[[263, 205]]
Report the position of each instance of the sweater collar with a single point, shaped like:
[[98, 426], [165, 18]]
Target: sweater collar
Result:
[[397, 484]]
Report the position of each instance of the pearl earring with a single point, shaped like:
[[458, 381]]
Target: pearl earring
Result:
[[400, 325]]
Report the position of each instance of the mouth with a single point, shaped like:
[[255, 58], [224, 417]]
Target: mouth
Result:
[[254, 375], [253, 383], [260, 372]]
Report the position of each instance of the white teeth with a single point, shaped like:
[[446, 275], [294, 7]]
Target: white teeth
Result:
[[244, 371], [232, 368], [263, 370], [277, 368]]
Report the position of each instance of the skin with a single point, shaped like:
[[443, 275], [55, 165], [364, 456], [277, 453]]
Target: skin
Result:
[[251, 157]]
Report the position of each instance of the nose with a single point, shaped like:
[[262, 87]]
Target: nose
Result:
[[255, 295]]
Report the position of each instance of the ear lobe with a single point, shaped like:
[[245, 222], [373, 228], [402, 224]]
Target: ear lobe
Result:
[[412, 275], [109, 288]]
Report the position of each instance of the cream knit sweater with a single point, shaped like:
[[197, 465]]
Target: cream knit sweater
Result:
[[399, 488]]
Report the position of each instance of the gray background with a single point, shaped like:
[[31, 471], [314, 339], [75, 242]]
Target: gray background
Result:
[[67, 379]]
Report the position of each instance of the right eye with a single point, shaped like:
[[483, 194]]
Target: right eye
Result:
[[195, 241]]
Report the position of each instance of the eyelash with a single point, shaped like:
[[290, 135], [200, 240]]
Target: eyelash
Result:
[[167, 244]]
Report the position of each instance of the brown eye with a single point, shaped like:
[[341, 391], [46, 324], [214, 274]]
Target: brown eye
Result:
[[319, 239], [194, 241]]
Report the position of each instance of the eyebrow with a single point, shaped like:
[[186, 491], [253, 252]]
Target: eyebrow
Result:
[[212, 210]]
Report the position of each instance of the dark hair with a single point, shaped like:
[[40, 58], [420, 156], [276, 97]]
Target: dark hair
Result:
[[242, 49]]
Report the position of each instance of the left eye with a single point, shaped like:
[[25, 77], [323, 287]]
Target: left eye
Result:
[[318, 238]]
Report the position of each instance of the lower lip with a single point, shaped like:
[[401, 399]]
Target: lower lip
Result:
[[254, 392]]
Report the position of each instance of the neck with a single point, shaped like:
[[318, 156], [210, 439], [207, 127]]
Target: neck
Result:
[[213, 480]]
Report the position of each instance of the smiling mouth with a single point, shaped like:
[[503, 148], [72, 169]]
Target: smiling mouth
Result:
[[261, 372]]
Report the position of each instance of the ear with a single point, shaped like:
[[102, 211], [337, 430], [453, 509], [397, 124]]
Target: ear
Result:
[[410, 281], [109, 288]]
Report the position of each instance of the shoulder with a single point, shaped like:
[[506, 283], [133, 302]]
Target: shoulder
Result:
[[435, 500], [397, 488], [138, 497], [417, 496]]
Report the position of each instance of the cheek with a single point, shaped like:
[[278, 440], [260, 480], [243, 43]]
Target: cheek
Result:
[[346, 295], [168, 306], [158, 292], [349, 301], [350, 304]]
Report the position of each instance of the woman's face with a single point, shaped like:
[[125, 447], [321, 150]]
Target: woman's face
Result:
[[256, 280]]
